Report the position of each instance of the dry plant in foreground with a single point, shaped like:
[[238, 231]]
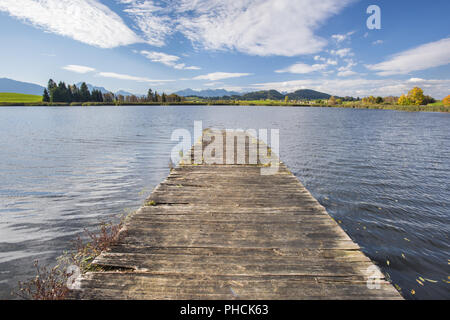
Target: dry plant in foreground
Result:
[[53, 283]]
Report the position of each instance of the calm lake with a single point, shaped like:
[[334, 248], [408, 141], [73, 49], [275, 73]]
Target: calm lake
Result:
[[384, 175]]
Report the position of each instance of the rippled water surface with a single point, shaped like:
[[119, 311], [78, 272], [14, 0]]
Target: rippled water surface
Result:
[[384, 175]]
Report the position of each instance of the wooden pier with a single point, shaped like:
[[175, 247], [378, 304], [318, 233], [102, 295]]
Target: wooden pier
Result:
[[228, 232]]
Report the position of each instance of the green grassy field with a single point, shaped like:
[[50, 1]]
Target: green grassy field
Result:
[[436, 104], [19, 98]]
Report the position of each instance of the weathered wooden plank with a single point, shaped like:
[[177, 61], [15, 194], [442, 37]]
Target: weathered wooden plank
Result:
[[228, 232], [198, 286]]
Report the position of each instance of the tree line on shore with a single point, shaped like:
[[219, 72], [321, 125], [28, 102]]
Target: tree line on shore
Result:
[[415, 97], [62, 93]]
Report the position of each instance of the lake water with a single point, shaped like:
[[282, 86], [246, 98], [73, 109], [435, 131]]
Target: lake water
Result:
[[385, 175]]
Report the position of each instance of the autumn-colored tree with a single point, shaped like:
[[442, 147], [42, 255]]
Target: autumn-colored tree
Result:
[[332, 101], [369, 100], [403, 100], [446, 101], [133, 99], [390, 100], [286, 99], [108, 97], [416, 96], [156, 97]]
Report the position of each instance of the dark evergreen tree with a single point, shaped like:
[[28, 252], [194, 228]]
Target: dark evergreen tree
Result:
[[63, 92], [85, 95], [150, 95], [59, 93], [96, 96], [51, 85], [45, 96], [75, 92]]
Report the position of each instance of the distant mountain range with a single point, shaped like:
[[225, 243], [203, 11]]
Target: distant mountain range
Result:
[[209, 93], [92, 87], [126, 93], [13, 86], [103, 90], [303, 94]]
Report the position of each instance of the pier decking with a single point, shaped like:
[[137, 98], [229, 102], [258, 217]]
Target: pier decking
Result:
[[228, 232]]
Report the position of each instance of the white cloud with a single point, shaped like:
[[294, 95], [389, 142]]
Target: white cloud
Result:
[[164, 58], [342, 37], [346, 73], [270, 27], [120, 76], [377, 42], [220, 76], [302, 68], [167, 59], [426, 56], [332, 62], [192, 68], [152, 19], [360, 87], [416, 80], [87, 21], [257, 27], [78, 69], [342, 52], [213, 84]]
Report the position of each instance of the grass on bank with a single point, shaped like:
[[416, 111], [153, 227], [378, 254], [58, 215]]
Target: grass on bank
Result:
[[437, 104], [432, 107], [19, 98]]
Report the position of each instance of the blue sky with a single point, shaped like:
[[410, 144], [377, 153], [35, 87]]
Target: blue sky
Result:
[[239, 45]]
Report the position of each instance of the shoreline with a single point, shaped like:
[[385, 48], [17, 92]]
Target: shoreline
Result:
[[443, 109]]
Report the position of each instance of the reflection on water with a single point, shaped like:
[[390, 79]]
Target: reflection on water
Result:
[[384, 175]]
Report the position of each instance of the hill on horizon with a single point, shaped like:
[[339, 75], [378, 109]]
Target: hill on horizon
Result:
[[302, 94], [263, 95], [12, 97], [308, 94], [12, 86], [207, 93]]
